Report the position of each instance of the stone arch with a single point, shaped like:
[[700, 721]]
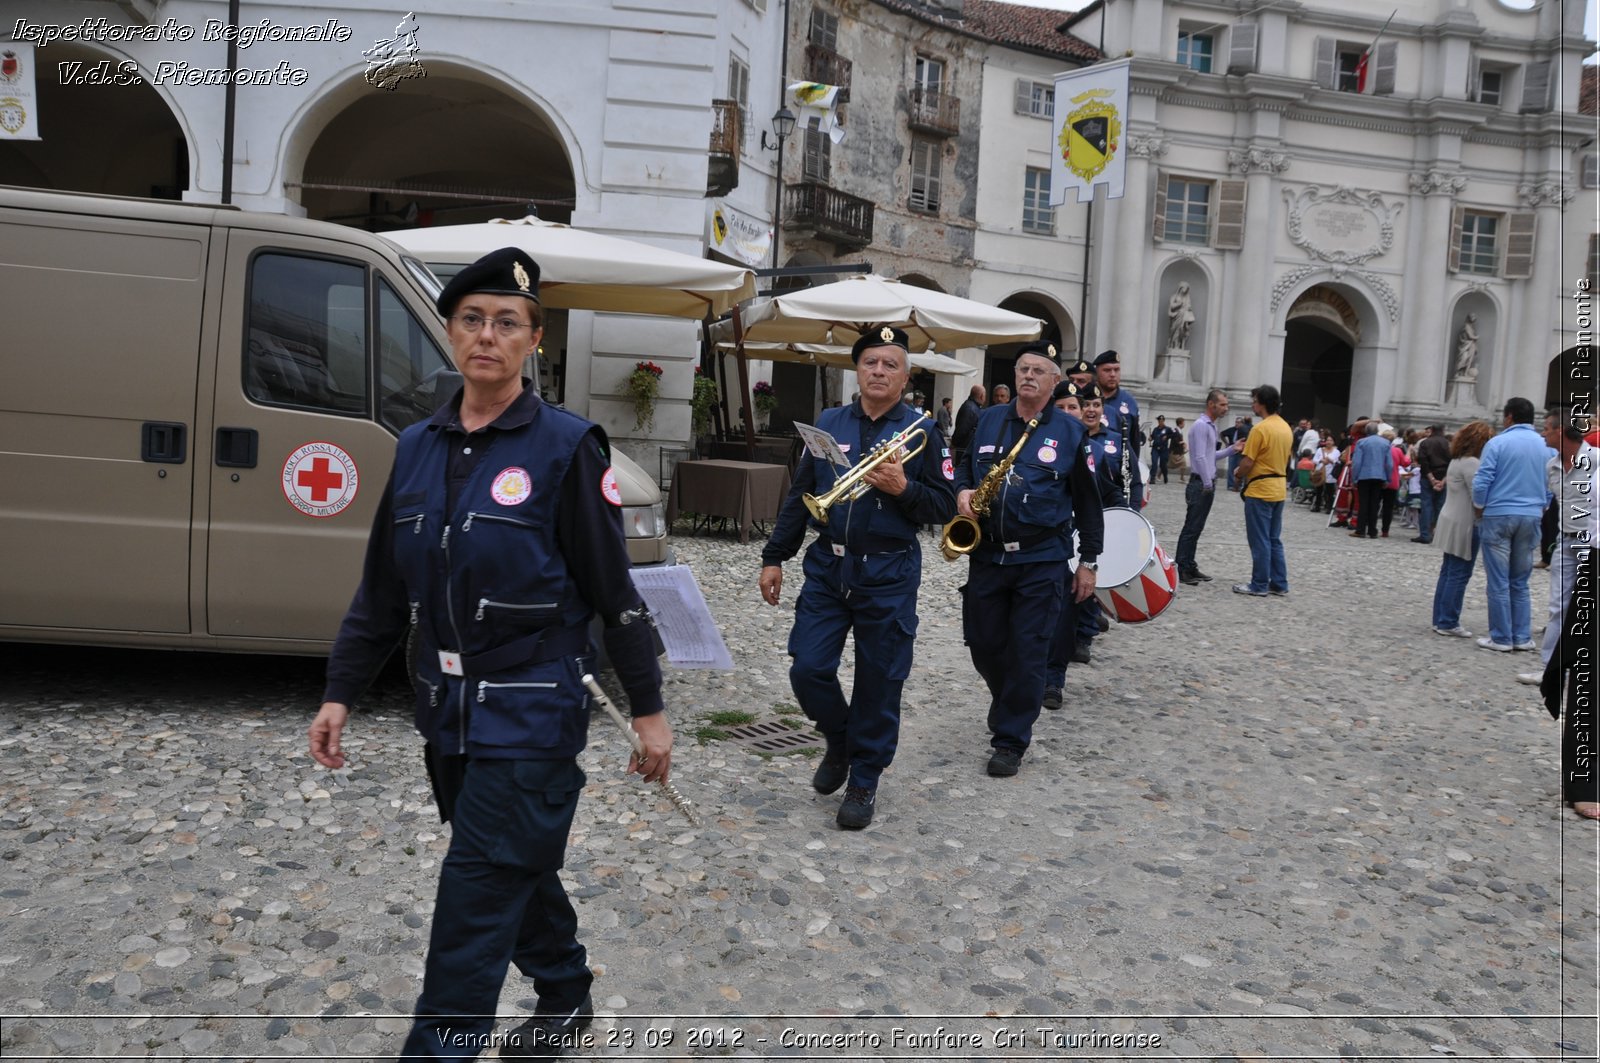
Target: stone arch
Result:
[[141, 146], [408, 142], [1570, 382], [1347, 312]]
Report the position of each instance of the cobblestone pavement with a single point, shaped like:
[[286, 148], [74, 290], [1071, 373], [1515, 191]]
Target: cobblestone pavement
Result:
[[1260, 828]]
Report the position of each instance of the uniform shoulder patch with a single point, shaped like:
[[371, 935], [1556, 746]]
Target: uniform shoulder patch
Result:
[[608, 487]]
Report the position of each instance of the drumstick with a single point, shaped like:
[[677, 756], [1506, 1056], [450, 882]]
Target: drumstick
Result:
[[679, 802]]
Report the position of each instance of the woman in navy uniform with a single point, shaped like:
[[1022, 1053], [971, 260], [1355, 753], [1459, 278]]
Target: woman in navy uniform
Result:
[[1013, 594], [862, 573], [498, 538]]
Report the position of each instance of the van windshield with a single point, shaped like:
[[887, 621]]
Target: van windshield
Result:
[[423, 276]]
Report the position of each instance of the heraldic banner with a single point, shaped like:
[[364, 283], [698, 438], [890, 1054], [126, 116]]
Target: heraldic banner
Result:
[[740, 236], [19, 105], [1091, 111]]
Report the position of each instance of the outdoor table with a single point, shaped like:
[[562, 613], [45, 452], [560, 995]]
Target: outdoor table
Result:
[[771, 450], [742, 491]]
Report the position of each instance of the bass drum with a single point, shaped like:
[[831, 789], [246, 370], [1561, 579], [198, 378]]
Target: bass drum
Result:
[[1136, 581]]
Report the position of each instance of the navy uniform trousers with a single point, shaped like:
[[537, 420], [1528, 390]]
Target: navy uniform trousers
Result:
[[1065, 639], [509, 823], [1008, 622], [876, 596]]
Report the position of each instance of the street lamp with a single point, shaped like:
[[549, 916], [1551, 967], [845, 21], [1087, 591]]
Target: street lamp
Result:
[[782, 126]]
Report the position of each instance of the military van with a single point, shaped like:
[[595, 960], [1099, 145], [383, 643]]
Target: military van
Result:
[[199, 415]]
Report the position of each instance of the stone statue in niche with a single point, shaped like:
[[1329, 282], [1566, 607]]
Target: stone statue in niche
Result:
[[1467, 349], [1180, 319]]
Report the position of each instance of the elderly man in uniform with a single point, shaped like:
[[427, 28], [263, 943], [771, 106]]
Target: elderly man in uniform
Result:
[[498, 538], [1014, 580], [862, 574], [1122, 417]]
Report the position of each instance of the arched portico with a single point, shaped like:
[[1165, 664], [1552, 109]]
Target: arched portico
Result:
[[1336, 343]]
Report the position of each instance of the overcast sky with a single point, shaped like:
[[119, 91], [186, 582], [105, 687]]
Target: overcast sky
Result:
[[1591, 30]]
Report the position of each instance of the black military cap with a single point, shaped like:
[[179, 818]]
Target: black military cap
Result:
[[1080, 366], [1088, 391], [1042, 348], [1107, 358], [508, 271], [1065, 389], [880, 336]]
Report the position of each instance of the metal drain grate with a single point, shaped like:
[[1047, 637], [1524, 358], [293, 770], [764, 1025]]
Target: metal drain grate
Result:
[[774, 737]]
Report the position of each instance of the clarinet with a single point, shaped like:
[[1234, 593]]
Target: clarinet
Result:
[[679, 802]]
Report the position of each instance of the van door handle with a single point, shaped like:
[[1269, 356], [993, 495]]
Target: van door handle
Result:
[[166, 442], [236, 448]]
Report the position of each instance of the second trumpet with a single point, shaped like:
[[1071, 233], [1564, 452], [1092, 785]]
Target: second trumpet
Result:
[[852, 484]]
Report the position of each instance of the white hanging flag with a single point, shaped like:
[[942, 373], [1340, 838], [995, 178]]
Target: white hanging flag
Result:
[[737, 234], [19, 104], [1090, 111], [821, 102]]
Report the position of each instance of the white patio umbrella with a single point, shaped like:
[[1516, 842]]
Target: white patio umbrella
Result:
[[837, 313], [829, 354], [581, 270]]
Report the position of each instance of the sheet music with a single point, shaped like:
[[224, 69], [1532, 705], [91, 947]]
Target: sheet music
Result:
[[820, 444], [682, 617]]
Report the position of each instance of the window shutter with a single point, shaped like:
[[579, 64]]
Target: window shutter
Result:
[[1327, 63], [1589, 171], [1229, 233], [1158, 226], [1536, 87], [1453, 257], [1242, 48], [1519, 244], [1474, 76], [1024, 100], [1383, 82]]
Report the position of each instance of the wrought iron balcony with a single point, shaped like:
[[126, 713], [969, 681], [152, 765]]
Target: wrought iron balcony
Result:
[[827, 67], [722, 171], [935, 111], [842, 219]]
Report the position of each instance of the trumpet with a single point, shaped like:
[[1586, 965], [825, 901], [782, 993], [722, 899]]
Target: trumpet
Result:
[[962, 534], [853, 484]]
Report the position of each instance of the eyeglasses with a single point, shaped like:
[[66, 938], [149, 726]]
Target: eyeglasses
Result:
[[503, 326]]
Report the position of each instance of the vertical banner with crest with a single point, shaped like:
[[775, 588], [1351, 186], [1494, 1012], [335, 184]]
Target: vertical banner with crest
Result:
[[19, 103], [1091, 111]]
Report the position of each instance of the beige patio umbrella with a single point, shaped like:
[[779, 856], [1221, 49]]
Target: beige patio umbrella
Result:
[[582, 270], [839, 357]]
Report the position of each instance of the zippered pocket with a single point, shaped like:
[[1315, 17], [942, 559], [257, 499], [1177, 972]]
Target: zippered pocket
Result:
[[484, 686], [499, 518], [414, 520], [488, 603]]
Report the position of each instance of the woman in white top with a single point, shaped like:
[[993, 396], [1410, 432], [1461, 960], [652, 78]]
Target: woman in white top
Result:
[[1325, 458]]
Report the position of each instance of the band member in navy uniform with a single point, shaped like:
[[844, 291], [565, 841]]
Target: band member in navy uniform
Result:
[[862, 573], [1122, 417], [498, 538], [1013, 594], [1108, 460]]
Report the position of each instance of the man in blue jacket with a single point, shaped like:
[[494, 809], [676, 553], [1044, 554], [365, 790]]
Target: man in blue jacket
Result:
[[1014, 580], [1509, 493], [862, 573], [1371, 466]]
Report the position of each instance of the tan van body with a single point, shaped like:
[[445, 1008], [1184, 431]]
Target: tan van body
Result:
[[198, 417]]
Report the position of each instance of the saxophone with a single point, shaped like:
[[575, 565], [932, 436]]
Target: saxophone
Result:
[[962, 535]]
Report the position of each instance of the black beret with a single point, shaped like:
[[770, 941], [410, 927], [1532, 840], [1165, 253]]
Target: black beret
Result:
[[1065, 389], [1043, 348], [880, 336], [1080, 366], [508, 271], [1089, 391], [1107, 358]]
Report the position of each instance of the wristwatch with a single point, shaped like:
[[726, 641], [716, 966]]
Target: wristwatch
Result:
[[1092, 566]]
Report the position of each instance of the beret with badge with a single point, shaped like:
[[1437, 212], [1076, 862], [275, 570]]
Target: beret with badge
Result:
[[508, 271], [1107, 358], [1041, 348], [1079, 368], [880, 336]]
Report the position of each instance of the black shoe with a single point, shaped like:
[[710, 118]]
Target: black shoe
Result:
[[1197, 574], [1420, 539], [549, 1036], [1102, 622], [833, 771], [1005, 762], [1052, 698], [856, 811], [1080, 654], [1190, 578]]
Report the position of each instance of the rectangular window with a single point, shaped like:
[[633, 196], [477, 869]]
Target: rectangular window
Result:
[[1188, 213], [817, 162], [824, 30], [1036, 99], [1194, 50], [1037, 214], [1480, 252], [930, 76], [739, 91], [1491, 86], [308, 337], [1348, 77], [409, 363], [924, 175]]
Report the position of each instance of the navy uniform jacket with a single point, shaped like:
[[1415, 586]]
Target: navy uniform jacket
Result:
[[876, 522], [1050, 489], [1108, 467], [498, 547], [1122, 417]]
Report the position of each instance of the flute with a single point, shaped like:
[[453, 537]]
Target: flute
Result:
[[679, 802]]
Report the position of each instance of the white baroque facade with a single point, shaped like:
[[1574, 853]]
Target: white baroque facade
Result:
[[1334, 241]]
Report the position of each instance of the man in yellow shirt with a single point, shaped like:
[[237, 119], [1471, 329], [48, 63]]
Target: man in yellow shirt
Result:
[[1261, 479]]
